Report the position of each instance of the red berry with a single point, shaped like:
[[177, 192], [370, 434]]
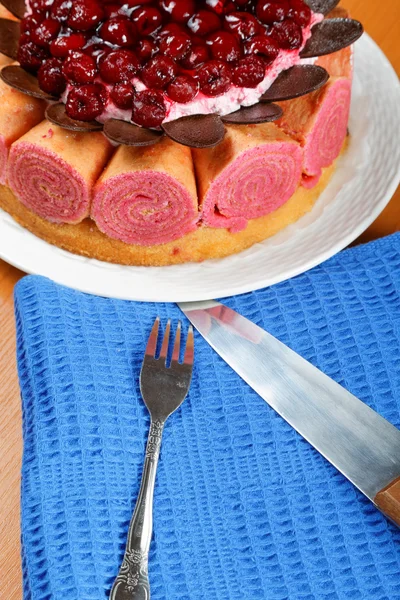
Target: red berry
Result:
[[176, 45], [122, 95], [249, 72], [244, 25], [204, 22], [183, 89], [263, 45], [196, 57], [40, 6], [224, 46], [148, 108], [29, 23], [119, 31], [214, 78], [85, 14], [86, 102], [300, 12], [270, 12], [60, 9], [119, 65], [79, 68], [61, 46], [45, 32], [159, 72], [147, 19], [180, 11], [51, 78], [146, 49], [287, 34], [31, 56], [112, 10]]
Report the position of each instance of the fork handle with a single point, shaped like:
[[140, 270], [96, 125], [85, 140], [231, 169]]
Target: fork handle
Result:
[[132, 582]]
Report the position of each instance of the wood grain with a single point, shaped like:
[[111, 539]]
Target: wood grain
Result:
[[381, 20], [388, 501]]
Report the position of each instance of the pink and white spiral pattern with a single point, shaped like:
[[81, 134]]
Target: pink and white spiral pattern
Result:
[[258, 182], [3, 160], [48, 185], [144, 207], [324, 142]]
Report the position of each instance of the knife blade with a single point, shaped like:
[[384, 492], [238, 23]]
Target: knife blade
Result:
[[360, 443]]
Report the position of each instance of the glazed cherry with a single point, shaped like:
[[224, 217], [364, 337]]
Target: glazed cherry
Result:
[[45, 32], [31, 56], [79, 68], [287, 34], [242, 24], [197, 56], [118, 66], [122, 95], [112, 10], [249, 72], [180, 11], [183, 89], [159, 72], [40, 6], [85, 14], [145, 49], [214, 78], [60, 9], [270, 12], [51, 78], [147, 19], [300, 12], [119, 31], [263, 45], [61, 46], [86, 102], [204, 22], [176, 45], [148, 108], [224, 46]]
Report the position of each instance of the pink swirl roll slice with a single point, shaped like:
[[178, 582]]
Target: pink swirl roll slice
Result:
[[319, 122], [255, 170], [52, 171], [18, 114], [147, 196]]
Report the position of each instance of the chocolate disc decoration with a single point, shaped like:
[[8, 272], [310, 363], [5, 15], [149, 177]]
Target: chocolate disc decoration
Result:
[[330, 36], [322, 6], [57, 115], [296, 81], [10, 32], [16, 77], [128, 134], [258, 113], [15, 7], [196, 131]]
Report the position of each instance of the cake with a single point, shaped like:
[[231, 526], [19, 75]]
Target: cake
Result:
[[156, 132]]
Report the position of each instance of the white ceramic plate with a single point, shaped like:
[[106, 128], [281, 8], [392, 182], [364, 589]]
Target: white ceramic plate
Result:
[[363, 184]]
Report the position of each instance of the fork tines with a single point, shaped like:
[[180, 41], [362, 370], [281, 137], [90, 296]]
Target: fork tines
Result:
[[151, 348]]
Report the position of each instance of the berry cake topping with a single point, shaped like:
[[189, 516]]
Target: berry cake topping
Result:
[[153, 61]]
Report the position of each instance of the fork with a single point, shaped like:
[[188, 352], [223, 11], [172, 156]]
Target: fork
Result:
[[163, 389]]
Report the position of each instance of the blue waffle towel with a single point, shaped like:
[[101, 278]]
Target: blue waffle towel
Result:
[[245, 509]]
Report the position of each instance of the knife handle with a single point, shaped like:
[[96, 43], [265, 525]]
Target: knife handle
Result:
[[388, 501]]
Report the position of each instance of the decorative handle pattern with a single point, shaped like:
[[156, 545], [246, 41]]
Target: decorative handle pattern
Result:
[[132, 582]]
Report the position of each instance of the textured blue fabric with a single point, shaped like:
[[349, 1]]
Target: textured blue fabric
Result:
[[244, 508]]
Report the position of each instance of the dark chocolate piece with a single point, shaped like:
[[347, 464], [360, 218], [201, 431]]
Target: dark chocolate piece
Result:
[[258, 113], [128, 134], [57, 115], [15, 7], [16, 77], [330, 36], [322, 6], [196, 131], [296, 81], [10, 32]]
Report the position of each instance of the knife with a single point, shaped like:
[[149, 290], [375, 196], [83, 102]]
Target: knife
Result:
[[361, 444]]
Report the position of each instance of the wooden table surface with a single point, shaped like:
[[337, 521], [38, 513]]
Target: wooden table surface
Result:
[[381, 20]]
